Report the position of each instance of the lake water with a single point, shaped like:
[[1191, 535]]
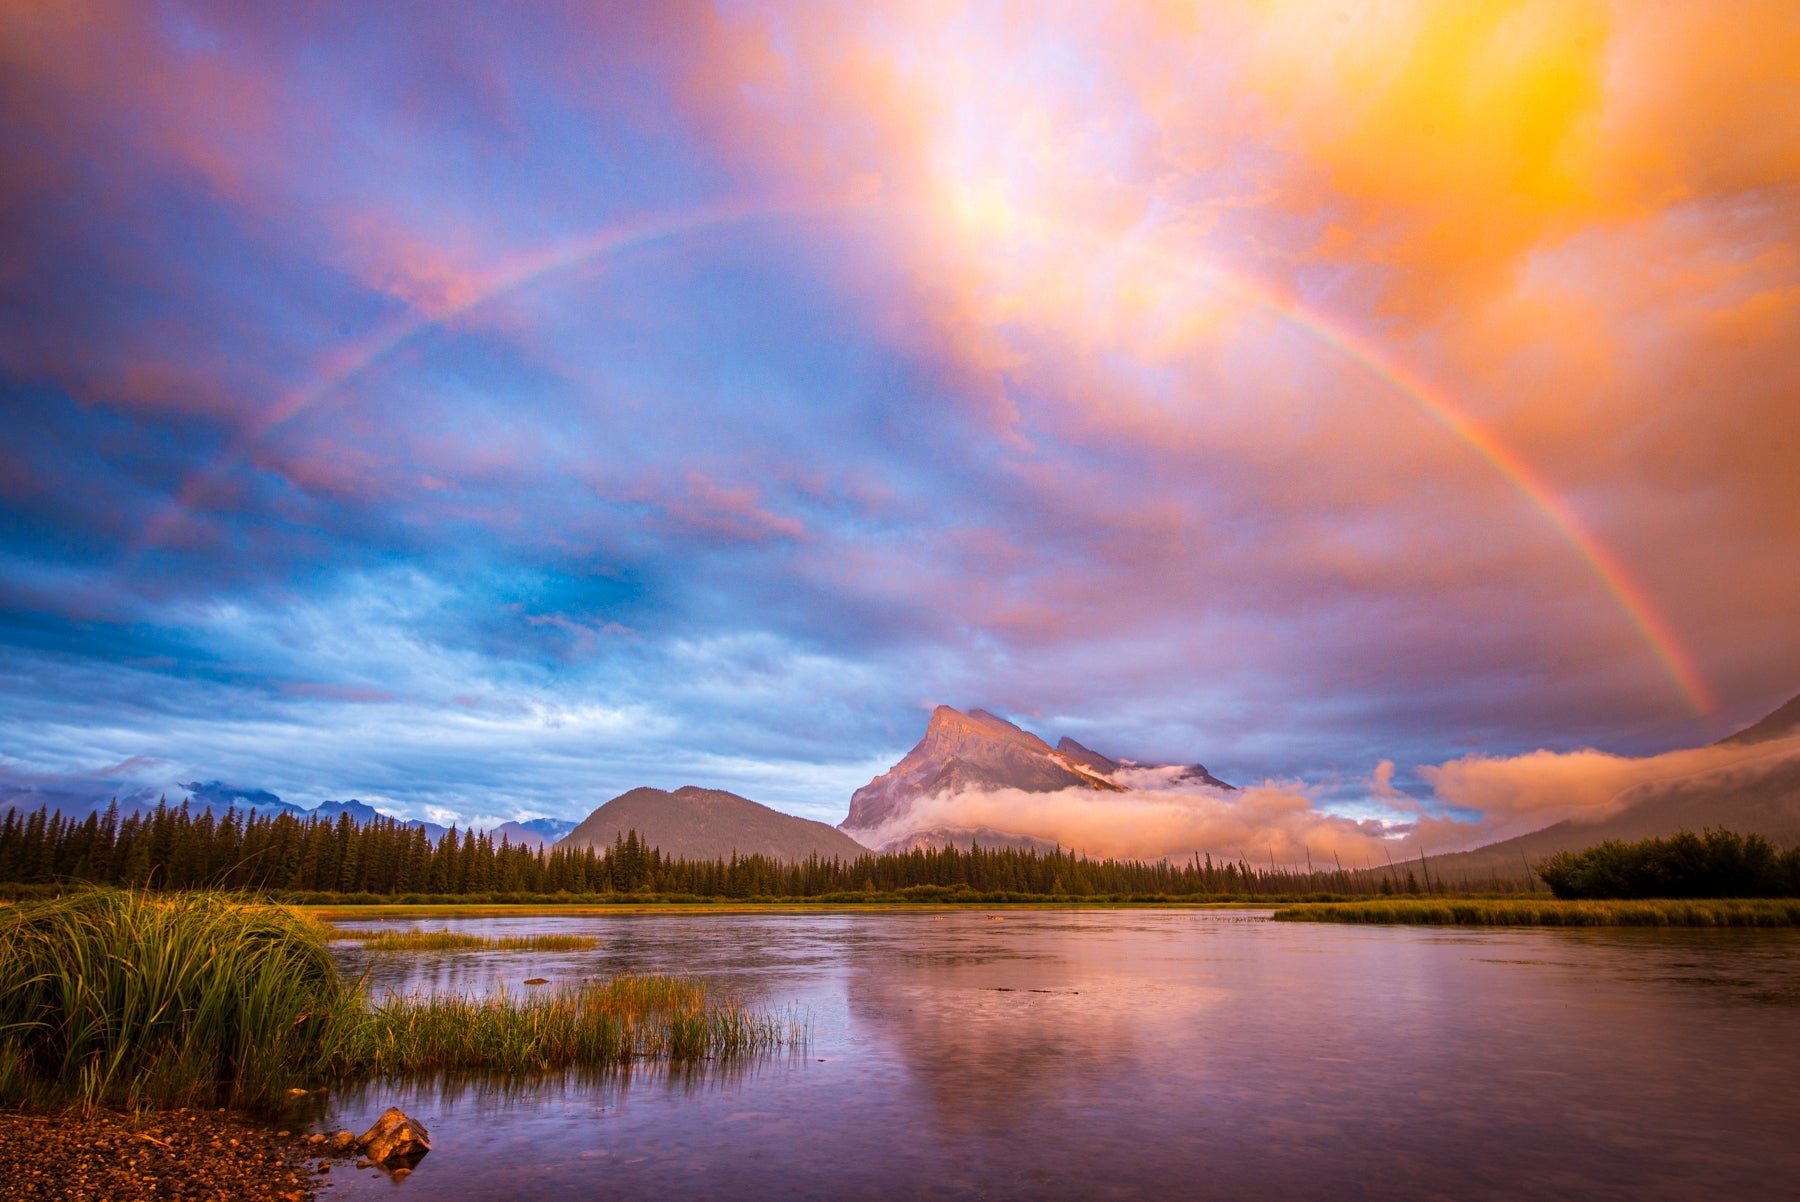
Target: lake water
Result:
[[1102, 1054]]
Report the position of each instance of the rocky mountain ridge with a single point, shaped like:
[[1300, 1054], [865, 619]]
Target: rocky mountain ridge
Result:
[[981, 751]]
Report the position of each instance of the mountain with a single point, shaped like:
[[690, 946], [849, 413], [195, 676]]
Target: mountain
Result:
[[1782, 724], [77, 799], [1758, 796], [1196, 774], [534, 833], [979, 751], [359, 811], [1088, 759], [222, 797], [707, 824], [362, 813], [548, 828], [937, 838], [961, 751]]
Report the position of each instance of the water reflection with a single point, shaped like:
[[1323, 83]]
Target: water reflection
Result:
[[1132, 1054]]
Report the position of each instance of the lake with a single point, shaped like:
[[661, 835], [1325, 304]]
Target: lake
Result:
[[1139, 1054]]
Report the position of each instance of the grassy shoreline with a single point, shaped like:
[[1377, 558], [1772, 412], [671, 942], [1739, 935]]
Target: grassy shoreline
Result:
[[1551, 912], [457, 941], [114, 998], [384, 910]]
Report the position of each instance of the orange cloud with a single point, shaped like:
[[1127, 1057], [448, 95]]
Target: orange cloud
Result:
[[1258, 823], [1581, 221], [1516, 794]]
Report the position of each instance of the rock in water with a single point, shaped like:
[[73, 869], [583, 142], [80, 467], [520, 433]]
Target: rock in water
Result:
[[395, 1140]]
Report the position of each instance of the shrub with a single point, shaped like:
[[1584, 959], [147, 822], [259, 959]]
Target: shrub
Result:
[[1718, 863]]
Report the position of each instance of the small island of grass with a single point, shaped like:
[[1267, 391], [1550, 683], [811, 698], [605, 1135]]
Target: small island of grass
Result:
[[457, 941]]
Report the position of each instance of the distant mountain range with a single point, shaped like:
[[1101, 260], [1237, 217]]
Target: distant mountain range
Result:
[[980, 751], [534, 833], [222, 797], [78, 803]]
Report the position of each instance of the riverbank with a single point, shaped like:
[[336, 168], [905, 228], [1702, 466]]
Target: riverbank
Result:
[[376, 911], [1550, 912], [90, 1155]]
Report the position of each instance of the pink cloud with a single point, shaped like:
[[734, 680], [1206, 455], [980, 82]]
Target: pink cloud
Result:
[[734, 513]]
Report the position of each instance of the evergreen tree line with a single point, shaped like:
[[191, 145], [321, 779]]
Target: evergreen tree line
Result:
[[179, 847], [1717, 864]]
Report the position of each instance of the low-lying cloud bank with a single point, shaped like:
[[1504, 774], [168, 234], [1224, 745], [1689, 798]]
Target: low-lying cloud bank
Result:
[[1516, 794], [1259, 823], [1287, 823]]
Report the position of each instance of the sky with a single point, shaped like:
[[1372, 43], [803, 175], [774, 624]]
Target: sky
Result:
[[483, 410]]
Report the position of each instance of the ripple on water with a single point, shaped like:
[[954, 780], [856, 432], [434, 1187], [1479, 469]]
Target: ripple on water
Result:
[[1141, 1054]]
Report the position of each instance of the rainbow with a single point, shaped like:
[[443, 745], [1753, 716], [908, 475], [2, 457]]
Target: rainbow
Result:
[[368, 353], [1433, 402], [522, 273], [1524, 479]]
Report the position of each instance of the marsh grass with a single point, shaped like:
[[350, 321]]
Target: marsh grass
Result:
[[110, 997], [138, 1000], [457, 941], [602, 1023], [1546, 912]]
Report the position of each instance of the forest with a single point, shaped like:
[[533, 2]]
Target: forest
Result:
[[178, 847]]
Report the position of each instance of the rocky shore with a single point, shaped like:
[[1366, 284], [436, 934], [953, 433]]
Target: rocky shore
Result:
[[106, 1156]]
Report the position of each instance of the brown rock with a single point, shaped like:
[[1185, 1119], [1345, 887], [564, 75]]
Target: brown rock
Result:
[[343, 1141], [395, 1140]]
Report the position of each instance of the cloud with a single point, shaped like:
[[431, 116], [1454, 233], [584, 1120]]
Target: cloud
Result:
[[1516, 794], [1255, 823], [1002, 383]]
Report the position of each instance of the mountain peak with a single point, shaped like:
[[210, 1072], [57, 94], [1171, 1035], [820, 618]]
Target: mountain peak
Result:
[[949, 725], [976, 750], [1086, 756]]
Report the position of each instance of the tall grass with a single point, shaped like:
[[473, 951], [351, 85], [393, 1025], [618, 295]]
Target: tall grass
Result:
[[615, 1022], [457, 941], [113, 998], [139, 1000], [1729, 912]]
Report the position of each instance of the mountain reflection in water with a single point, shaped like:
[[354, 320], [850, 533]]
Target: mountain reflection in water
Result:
[[1140, 1054]]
